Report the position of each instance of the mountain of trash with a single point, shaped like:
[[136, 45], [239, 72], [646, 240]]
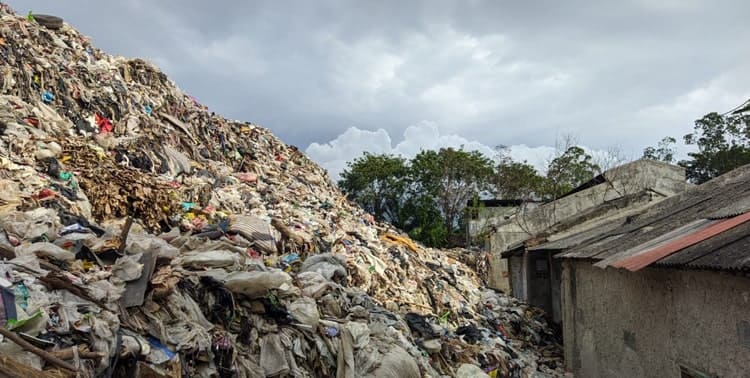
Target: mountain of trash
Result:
[[143, 235]]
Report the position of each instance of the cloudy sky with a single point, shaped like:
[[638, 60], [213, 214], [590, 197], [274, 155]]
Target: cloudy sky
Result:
[[338, 77]]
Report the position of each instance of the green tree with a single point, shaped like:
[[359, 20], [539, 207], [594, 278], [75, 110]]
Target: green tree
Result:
[[378, 184], [664, 151], [517, 180], [567, 171], [722, 142], [424, 222], [451, 177]]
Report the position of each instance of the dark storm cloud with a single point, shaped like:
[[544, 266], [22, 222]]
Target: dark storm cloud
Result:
[[620, 73]]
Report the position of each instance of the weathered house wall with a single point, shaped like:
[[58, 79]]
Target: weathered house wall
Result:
[[484, 215], [535, 278], [659, 179], [541, 283], [518, 276], [500, 272], [618, 323], [556, 274]]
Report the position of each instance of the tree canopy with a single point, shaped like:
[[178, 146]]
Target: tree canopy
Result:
[[664, 151], [569, 170], [427, 196], [722, 143], [450, 178], [518, 180], [377, 184]]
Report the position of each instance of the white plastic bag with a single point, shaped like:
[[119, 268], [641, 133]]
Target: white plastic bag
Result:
[[45, 249], [256, 284], [305, 310]]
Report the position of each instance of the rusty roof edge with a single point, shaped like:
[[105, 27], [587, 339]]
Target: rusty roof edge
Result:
[[655, 242], [645, 258]]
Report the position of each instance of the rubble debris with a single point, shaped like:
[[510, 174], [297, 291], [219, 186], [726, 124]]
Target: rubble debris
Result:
[[142, 234], [39, 352]]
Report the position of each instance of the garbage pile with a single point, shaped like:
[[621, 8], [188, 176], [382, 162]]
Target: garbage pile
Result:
[[143, 235]]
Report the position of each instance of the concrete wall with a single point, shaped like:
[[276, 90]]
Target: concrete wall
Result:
[[639, 176], [535, 278], [628, 179], [556, 312], [499, 279], [539, 281], [646, 324], [485, 214], [518, 276]]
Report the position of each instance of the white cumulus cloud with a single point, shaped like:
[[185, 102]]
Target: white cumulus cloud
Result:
[[425, 135]]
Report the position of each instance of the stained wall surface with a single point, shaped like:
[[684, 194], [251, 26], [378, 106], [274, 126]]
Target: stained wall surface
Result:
[[649, 323]]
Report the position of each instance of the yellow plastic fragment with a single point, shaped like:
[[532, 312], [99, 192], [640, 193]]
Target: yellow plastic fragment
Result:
[[406, 242]]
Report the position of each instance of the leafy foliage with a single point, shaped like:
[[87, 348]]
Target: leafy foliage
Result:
[[377, 183], [723, 145], [425, 223], [722, 142], [451, 178], [569, 170], [518, 180], [427, 196], [663, 151]]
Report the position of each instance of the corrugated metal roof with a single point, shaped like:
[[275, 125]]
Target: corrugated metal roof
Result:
[[657, 242], [729, 250], [564, 243], [690, 254], [735, 208], [725, 246], [734, 256], [646, 257], [639, 230], [593, 248], [580, 237]]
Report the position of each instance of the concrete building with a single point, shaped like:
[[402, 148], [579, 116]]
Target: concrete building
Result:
[[484, 212], [666, 293], [521, 247], [484, 215]]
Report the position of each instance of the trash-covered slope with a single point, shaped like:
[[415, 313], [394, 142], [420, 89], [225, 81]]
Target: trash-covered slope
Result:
[[144, 235]]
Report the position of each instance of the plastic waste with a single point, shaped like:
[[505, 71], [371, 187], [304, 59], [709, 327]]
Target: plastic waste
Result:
[[45, 249], [128, 268], [210, 259], [272, 356], [419, 325], [159, 353], [7, 306], [141, 243], [48, 97], [396, 363], [257, 284], [471, 371], [360, 334], [305, 311], [328, 265], [332, 331], [119, 140], [313, 284]]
